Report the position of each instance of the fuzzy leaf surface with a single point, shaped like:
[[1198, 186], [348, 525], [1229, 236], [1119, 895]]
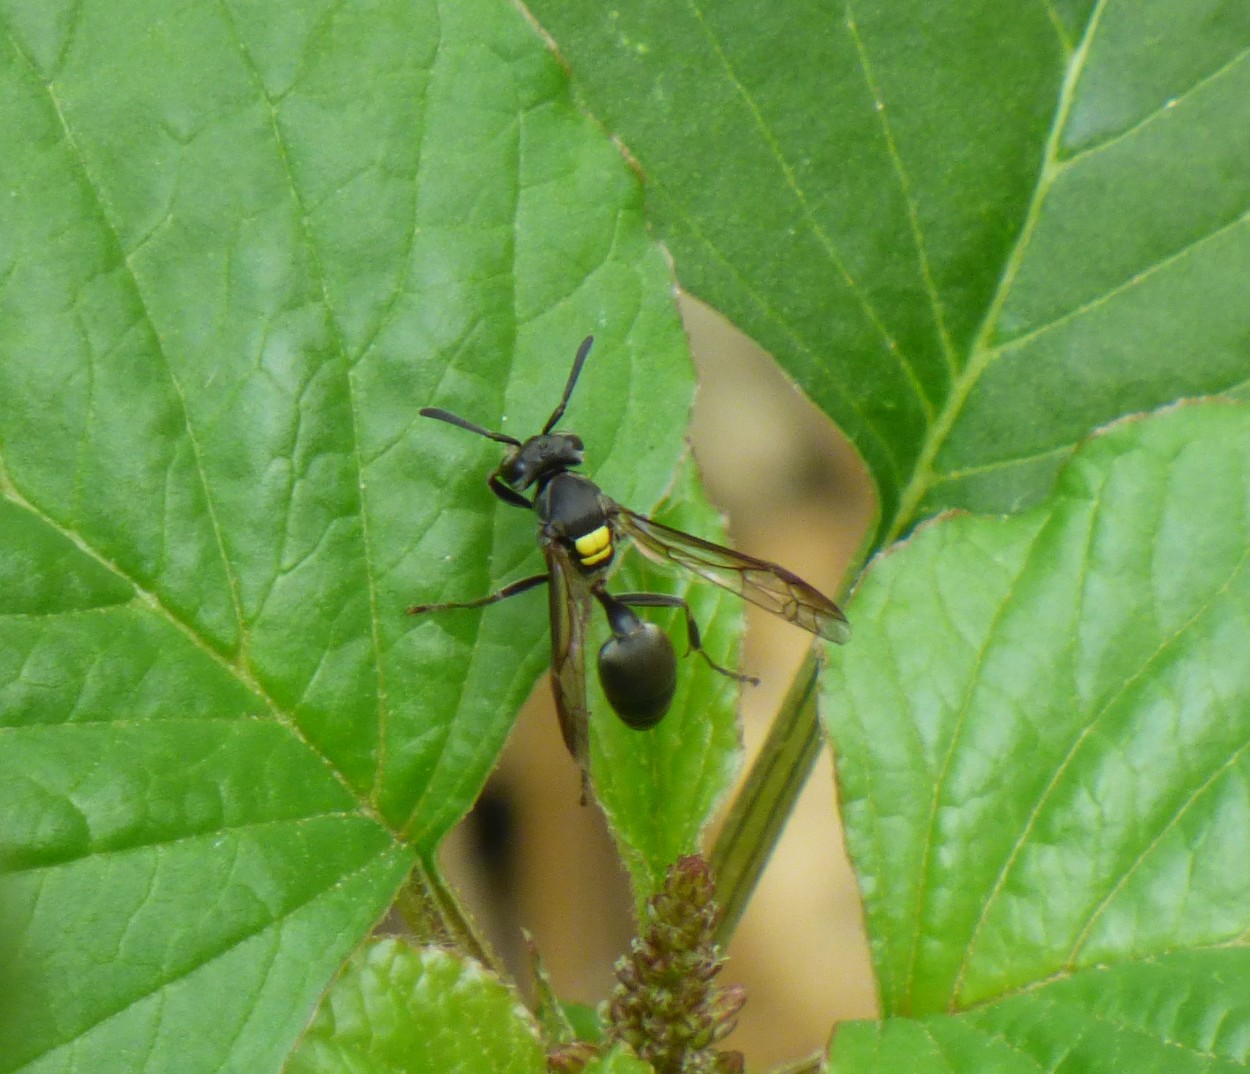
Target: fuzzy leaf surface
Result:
[[972, 233], [240, 246], [1044, 757], [1179, 1013], [407, 1011]]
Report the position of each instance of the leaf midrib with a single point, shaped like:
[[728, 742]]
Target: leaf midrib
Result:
[[981, 353]]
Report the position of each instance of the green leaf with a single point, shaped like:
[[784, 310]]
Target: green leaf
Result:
[[401, 1011], [1172, 1014], [240, 246], [619, 1061], [1042, 730], [972, 233], [659, 787]]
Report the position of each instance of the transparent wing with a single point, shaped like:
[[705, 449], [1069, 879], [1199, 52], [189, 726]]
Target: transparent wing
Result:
[[569, 609], [773, 588]]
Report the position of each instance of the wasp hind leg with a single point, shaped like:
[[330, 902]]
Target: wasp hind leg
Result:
[[481, 602], [693, 640]]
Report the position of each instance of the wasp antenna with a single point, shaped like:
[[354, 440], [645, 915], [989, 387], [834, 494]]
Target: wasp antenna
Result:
[[440, 414], [578, 362]]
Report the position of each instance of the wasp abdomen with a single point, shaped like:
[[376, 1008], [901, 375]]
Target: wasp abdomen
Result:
[[638, 671]]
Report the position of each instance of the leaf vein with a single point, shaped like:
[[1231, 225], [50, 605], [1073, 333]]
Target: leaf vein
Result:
[[792, 184], [913, 214], [349, 384], [981, 353]]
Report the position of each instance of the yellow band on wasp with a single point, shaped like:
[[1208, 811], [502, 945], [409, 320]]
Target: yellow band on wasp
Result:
[[595, 546]]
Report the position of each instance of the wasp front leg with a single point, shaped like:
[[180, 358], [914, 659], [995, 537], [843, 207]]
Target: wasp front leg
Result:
[[508, 494], [481, 602]]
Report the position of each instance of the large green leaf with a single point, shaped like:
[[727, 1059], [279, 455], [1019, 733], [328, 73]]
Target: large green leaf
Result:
[[972, 232], [401, 1011], [239, 247], [660, 786], [1181, 1013], [1043, 733]]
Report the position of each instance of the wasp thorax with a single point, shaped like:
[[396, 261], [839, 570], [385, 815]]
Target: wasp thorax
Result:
[[638, 671]]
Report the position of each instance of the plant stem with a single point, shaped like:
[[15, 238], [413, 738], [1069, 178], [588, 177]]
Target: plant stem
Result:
[[764, 803]]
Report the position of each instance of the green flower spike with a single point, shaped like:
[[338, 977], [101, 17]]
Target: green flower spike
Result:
[[666, 1006]]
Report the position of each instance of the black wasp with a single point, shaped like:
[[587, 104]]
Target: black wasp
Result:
[[578, 529]]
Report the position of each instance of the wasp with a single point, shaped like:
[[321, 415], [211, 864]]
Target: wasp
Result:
[[580, 531]]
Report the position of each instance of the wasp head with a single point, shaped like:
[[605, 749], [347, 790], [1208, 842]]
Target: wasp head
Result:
[[540, 456]]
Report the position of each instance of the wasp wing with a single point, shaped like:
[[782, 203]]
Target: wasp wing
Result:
[[773, 588], [569, 610]]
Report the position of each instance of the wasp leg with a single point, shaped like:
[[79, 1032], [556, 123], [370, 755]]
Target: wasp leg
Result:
[[481, 602], [507, 494], [664, 600]]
